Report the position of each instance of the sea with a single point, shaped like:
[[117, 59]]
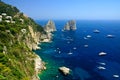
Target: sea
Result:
[[80, 50]]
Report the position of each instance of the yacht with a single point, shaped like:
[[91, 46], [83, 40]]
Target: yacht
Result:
[[96, 31], [88, 36], [86, 46], [116, 76], [101, 68], [74, 48], [102, 54], [70, 53], [110, 36]]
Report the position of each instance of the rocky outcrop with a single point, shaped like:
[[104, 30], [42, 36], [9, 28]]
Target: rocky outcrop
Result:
[[39, 65], [70, 25], [32, 38], [64, 70], [50, 26], [46, 37]]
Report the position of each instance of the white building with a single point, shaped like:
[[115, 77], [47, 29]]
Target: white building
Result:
[[21, 20], [4, 14], [8, 21], [23, 31], [8, 17]]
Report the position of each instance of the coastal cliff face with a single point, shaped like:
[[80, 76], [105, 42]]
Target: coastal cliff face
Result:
[[48, 28], [19, 35], [70, 25], [35, 36]]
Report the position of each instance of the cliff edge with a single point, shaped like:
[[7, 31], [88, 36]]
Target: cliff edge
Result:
[[19, 35]]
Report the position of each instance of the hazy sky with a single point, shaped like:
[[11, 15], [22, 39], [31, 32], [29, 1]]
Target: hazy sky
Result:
[[69, 9]]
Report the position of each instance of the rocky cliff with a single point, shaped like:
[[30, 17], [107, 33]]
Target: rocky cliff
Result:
[[70, 25], [19, 35], [50, 26]]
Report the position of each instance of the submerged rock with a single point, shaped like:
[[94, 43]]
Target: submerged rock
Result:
[[50, 26], [64, 70], [70, 25]]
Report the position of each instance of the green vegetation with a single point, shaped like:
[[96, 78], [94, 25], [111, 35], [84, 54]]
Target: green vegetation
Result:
[[10, 10], [16, 59]]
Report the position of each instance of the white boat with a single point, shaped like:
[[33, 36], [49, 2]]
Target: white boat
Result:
[[102, 54], [101, 68], [88, 36], [102, 63], [85, 45], [59, 52], [74, 48], [116, 76], [110, 36], [70, 53], [96, 31]]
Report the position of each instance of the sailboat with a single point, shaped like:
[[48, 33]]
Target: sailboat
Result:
[[70, 52], [74, 48]]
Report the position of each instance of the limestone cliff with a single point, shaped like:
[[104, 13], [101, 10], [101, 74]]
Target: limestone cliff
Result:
[[50, 26], [19, 35], [70, 25]]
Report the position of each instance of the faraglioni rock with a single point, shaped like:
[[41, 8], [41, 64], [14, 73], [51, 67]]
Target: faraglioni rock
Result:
[[70, 25], [50, 26]]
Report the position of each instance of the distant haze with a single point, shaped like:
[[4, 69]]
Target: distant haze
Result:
[[69, 9]]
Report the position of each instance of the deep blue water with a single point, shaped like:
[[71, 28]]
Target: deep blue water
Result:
[[84, 61]]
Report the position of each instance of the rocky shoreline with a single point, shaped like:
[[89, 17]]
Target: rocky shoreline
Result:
[[46, 37], [39, 64]]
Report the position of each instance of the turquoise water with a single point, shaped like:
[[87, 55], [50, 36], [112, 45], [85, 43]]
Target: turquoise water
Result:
[[84, 61]]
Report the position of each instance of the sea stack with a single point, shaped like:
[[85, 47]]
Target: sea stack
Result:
[[50, 26], [70, 25]]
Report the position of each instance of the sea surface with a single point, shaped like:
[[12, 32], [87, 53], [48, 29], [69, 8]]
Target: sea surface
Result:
[[68, 49]]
